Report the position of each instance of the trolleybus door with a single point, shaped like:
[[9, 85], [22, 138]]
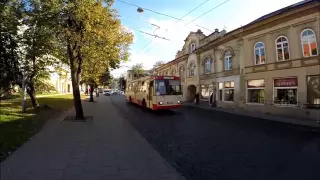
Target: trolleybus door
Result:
[[150, 94]]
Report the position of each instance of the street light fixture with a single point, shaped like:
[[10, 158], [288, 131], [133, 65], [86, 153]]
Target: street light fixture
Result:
[[140, 10]]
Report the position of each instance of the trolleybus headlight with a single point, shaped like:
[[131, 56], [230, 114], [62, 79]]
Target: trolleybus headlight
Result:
[[179, 102], [160, 102]]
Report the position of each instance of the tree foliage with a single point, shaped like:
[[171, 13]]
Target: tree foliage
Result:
[[105, 79], [92, 37], [10, 13], [137, 70]]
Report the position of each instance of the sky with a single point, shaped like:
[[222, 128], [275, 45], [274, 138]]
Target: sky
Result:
[[146, 49]]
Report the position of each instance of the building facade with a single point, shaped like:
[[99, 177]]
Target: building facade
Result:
[[271, 65], [60, 79]]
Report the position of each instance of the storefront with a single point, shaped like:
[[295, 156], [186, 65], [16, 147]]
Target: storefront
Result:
[[206, 91], [256, 91], [285, 91], [313, 91], [228, 91]]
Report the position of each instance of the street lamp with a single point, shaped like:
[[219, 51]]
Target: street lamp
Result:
[[140, 10]]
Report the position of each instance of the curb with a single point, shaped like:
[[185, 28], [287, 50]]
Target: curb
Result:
[[312, 125]]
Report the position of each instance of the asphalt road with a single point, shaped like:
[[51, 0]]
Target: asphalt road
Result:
[[204, 144]]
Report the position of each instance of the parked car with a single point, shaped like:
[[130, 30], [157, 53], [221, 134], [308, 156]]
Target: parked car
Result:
[[100, 90], [107, 92]]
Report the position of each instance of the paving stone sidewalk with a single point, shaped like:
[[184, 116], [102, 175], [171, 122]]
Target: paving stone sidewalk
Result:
[[105, 148], [303, 122]]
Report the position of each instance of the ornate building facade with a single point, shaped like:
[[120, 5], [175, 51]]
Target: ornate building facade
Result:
[[271, 65]]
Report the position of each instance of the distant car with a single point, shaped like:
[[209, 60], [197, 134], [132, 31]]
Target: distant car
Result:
[[107, 92], [100, 90]]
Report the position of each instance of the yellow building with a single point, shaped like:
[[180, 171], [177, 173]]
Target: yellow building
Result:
[[61, 79], [270, 65]]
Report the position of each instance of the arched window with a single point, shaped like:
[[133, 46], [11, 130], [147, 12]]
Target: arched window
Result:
[[282, 47], [167, 73], [227, 61], [173, 72], [181, 72], [309, 43], [207, 66], [192, 47], [259, 53], [191, 69]]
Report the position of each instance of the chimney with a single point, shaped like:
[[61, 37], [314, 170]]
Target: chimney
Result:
[[216, 30]]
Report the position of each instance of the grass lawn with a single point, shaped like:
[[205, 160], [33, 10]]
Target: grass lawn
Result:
[[16, 127], [17, 96]]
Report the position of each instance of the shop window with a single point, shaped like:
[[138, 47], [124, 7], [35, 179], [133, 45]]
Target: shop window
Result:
[[313, 89], [206, 91], [220, 89], [229, 91], [309, 43], [285, 91], [255, 91], [282, 48], [259, 53]]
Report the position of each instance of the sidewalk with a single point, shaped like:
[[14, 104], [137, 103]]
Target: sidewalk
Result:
[[105, 148], [303, 122]]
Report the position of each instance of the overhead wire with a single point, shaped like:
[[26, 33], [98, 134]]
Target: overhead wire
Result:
[[182, 18], [170, 16], [207, 11], [178, 19]]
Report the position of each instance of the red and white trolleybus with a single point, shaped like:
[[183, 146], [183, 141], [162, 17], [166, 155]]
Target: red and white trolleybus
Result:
[[155, 92]]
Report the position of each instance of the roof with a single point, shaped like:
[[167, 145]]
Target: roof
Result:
[[283, 10]]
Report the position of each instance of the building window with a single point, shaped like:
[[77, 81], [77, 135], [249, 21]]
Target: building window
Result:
[[285, 91], [313, 89], [282, 48], [259, 53], [181, 72], [309, 43], [228, 61], [191, 69], [220, 89], [192, 47], [173, 73], [207, 66], [255, 91], [229, 91], [206, 91]]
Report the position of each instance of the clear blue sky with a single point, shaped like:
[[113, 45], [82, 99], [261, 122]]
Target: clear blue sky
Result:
[[230, 15]]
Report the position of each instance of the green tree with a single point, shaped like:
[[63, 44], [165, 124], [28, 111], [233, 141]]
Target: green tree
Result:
[[105, 78], [91, 36], [10, 13], [122, 82], [156, 65], [137, 70]]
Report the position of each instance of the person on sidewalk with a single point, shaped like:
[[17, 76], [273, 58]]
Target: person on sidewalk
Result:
[[212, 101], [196, 98]]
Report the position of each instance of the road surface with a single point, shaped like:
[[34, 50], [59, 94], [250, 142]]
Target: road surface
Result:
[[204, 144]]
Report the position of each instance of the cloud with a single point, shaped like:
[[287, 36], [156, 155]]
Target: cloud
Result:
[[232, 15]]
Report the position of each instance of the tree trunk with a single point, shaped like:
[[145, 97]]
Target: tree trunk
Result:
[[32, 94], [75, 78], [76, 96], [91, 92]]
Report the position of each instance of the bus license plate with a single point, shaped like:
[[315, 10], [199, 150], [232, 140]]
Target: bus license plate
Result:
[[169, 102]]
